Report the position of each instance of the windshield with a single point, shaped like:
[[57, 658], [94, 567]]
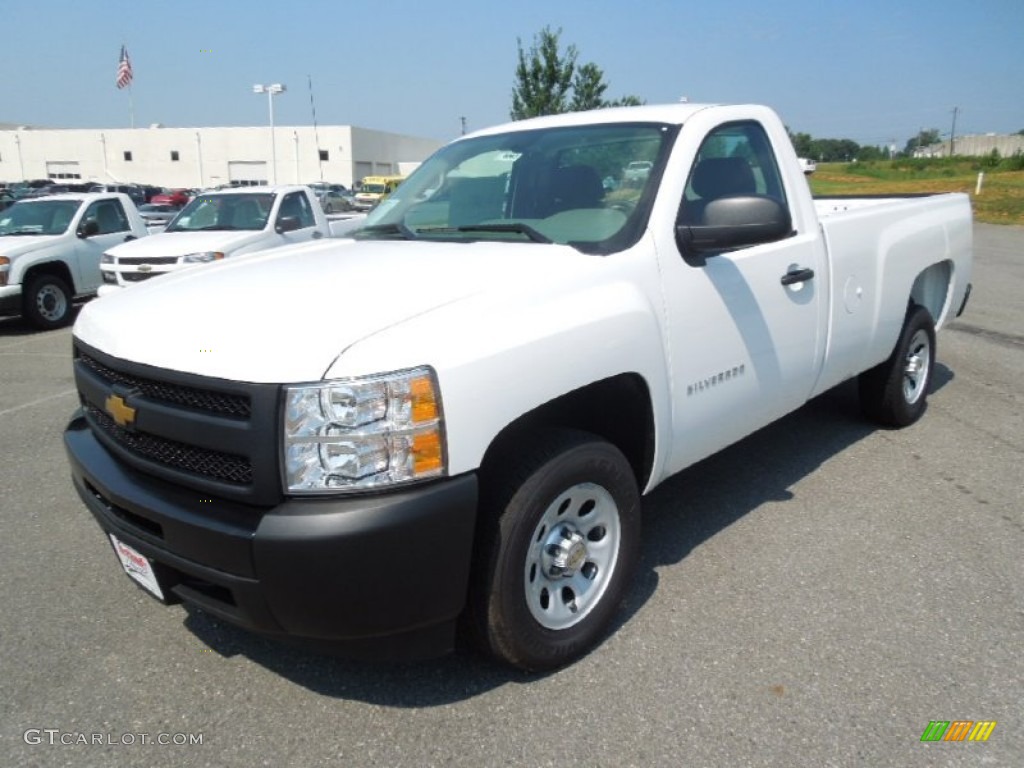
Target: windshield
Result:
[[42, 217], [225, 211], [561, 185], [374, 189]]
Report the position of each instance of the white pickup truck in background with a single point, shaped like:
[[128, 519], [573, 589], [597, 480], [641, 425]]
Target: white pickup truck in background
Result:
[[449, 420], [50, 250], [219, 224]]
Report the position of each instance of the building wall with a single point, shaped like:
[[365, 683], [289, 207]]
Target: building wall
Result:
[[975, 146], [204, 155]]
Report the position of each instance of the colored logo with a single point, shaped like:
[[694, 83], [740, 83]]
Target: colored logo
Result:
[[958, 730], [122, 413]]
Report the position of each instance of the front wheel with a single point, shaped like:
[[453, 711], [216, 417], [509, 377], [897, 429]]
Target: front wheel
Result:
[[47, 302], [557, 558], [894, 392]]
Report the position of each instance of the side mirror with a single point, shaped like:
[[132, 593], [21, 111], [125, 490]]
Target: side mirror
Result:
[[88, 229], [287, 224], [733, 222]]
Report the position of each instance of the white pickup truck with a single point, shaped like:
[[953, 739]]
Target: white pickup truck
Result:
[[219, 224], [50, 250], [449, 419]]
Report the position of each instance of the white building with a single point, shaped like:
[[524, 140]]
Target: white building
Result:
[[976, 145], [206, 157]]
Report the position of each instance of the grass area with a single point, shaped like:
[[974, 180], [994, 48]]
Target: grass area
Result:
[[1002, 195]]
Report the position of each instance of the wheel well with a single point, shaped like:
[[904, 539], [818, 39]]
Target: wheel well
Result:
[[931, 290], [617, 409], [54, 268]]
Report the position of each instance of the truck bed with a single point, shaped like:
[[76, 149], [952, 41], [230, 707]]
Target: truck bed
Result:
[[897, 237], [829, 205]]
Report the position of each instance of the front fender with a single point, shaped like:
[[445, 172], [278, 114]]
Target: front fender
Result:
[[498, 358], [60, 252]]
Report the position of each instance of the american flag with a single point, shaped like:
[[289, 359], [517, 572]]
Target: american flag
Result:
[[124, 69]]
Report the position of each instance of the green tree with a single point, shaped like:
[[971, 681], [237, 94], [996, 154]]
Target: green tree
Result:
[[992, 159], [588, 88], [866, 153], [801, 143], [549, 82], [543, 77], [625, 101], [923, 139]]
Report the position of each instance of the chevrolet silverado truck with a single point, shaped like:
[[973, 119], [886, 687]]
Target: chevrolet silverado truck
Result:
[[443, 426], [220, 224], [50, 250]]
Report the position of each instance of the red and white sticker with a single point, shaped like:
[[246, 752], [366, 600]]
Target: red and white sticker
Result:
[[137, 566]]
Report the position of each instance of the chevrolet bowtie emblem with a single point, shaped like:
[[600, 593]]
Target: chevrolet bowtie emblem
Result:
[[122, 413]]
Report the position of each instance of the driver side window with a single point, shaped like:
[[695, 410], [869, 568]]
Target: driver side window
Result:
[[296, 205], [735, 159], [108, 215]]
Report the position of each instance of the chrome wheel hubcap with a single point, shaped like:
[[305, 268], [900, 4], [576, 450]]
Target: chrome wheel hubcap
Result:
[[572, 556], [915, 367], [51, 303]]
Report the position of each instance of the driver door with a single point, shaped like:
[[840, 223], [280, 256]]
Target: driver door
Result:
[[113, 229], [745, 342]]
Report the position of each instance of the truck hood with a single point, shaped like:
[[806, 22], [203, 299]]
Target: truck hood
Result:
[[285, 315], [181, 243], [16, 245]]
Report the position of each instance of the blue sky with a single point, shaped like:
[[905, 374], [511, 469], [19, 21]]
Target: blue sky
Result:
[[871, 70]]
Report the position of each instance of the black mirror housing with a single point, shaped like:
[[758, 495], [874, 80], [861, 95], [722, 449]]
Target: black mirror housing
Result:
[[287, 224], [88, 229], [733, 222]]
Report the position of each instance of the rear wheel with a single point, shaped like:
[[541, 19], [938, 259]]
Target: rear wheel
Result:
[[562, 542], [894, 393], [47, 302]]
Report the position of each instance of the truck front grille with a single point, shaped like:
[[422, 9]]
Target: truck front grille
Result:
[[216, 436], [134, 260], [138, 277], [220, 403], [219, 466]]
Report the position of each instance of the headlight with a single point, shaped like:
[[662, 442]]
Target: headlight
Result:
[[110, 278], [355, 434], [106, 258], [202, 257], [5, 269]]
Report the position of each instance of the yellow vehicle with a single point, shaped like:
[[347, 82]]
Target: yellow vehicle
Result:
[[375, 189]]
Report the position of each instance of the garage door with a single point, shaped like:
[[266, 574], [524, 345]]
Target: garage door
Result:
[[63, 169], [363, 169], [247, 172]]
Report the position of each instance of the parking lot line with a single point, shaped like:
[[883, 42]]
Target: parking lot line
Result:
[[40, 401]]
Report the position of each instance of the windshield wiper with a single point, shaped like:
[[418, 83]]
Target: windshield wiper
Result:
[[513, 226], [386, 229], [21, 232]]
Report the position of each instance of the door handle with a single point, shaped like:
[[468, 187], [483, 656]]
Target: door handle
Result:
[[797, 276], [317, 235], [127, 238]]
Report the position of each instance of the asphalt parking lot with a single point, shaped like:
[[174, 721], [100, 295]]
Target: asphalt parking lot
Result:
[[813, 596]]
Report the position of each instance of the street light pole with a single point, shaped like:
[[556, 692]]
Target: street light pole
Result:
[[199, 157], [271, 91], [21, 158]]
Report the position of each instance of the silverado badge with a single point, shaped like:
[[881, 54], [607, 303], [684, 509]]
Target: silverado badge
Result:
[[122, 413]]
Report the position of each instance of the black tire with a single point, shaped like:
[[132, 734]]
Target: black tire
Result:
[[895, 392], [560, 540], [47, 302]]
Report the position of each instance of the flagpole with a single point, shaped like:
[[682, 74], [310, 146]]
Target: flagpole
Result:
[[124, 80]]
